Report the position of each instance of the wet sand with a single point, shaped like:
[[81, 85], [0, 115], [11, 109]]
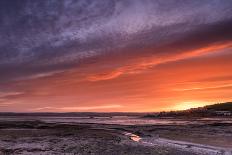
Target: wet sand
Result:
[[39, 137]]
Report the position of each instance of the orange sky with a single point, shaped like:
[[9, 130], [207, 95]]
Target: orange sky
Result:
[[173, 82]]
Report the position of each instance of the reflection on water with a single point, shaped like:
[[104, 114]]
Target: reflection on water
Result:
[[122, 120], [133, 137]]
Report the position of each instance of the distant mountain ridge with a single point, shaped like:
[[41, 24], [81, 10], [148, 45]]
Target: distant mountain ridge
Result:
[[220, 107], [215, 110]]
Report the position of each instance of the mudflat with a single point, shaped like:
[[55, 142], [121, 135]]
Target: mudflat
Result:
[[45, 138]]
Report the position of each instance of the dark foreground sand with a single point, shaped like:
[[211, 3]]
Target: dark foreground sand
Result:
[[40, 138]]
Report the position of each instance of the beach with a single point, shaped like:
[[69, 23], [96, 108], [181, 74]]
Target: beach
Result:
[[75, 136]]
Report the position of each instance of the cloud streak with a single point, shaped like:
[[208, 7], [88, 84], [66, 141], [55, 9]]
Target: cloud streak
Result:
[[152, 62], [82, 108]]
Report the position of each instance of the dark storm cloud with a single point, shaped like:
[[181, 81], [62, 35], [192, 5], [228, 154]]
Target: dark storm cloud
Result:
[[44, 37]]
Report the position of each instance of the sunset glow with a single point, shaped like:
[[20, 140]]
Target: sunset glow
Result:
[[190, 104]]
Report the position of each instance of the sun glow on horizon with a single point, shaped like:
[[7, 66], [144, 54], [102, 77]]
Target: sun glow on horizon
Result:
[[190, 104]]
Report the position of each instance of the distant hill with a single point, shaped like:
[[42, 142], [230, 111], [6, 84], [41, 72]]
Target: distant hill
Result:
[[220, 107], [215, 110]]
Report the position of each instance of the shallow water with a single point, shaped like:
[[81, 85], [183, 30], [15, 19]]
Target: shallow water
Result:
[[187, 146], [121, 120]]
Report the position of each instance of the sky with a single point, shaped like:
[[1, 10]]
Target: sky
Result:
[[114, 55]]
